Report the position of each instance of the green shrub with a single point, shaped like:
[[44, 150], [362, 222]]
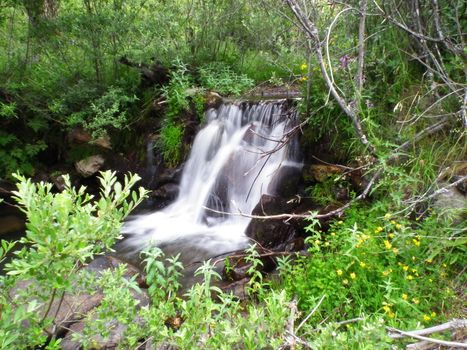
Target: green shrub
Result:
[[63, 231], [219, 77], [170, 143]]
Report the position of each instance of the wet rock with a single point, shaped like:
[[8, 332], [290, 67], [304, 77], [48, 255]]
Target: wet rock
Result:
[[267, 232], [59, 182], [90, 165], [168, 192], [170, 175], [213, 99], [285, 181]]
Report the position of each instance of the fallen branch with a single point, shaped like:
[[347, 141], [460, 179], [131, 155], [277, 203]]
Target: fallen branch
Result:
[[422, 134], [448, 326], [311, 313], [413, 334], [291, 340]]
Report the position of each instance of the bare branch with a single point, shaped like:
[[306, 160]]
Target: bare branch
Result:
[[361, 46], [312, 34], [451, 325]]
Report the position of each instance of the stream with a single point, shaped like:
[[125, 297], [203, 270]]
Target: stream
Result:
[[234, 160]]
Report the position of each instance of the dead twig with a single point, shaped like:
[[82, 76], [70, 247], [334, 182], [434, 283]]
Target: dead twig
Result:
[[311, 313], [448, 326], [413, 334]]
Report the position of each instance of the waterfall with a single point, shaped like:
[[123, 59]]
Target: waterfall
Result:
[[234, 160]]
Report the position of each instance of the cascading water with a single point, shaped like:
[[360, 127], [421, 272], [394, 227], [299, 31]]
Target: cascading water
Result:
[[234, 160]]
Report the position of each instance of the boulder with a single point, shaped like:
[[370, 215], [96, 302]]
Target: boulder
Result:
[[271, 233], [90, 165], [212, 99], [320, 172], [170, 175], [452, 203], [285, 181]]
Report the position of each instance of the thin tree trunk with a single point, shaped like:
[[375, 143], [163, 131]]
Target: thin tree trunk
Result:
[[361, 46], [312, 33]]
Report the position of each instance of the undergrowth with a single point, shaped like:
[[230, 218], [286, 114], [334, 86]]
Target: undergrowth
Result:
[[372, 270]]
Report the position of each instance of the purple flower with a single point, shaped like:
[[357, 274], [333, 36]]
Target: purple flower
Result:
[[344, 60]]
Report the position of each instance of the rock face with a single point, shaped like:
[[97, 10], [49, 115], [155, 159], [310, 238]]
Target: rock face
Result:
[[271, 233], [285, 181]]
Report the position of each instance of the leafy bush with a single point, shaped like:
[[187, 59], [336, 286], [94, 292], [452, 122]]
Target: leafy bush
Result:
[[170, 143], [107, 111], [63, 231], [220, 78]]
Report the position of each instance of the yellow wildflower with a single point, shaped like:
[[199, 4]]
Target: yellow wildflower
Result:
[[326, 244], [414, 270], [426, 318], [346, 281], [387, 245], [405, 296], [398, 226], [433, 314], [430, 280], [405, 268], [444, 265], [416, 301], [340, 222], [353, 276], [416, 242], [304, 78], [391, 235], [429, 261], [393, 222], [304, 66], [386, 308], [387, 272], [387, 216], [378, 229], [409, 277], [333, 234], [339, 272], [391, 314], [395, 250], [362, 264]]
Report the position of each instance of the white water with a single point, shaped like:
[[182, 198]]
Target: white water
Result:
[[227, 171]]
